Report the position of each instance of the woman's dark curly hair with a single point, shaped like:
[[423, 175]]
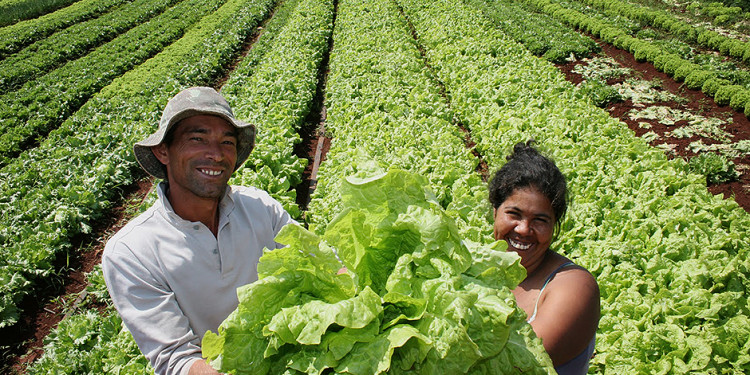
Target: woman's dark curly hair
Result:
[[526, 167]]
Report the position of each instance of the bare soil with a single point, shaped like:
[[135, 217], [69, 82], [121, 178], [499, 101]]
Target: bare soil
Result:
[[697, 102]]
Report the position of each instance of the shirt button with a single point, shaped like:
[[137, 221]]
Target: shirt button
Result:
[[216, 251], [196, 227]]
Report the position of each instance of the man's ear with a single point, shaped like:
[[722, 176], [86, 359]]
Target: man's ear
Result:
[[160, 151]]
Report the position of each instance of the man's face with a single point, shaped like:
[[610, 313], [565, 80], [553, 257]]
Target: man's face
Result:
[[201, 157]]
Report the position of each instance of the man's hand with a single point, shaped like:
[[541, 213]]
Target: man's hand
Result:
[[200, 367]]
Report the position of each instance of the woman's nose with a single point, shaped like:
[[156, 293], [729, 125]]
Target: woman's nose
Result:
[[523, 227]]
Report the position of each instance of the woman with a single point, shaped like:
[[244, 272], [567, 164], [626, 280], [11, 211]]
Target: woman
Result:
[[561, 299]]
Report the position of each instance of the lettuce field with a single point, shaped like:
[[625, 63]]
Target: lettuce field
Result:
[[643, 105]]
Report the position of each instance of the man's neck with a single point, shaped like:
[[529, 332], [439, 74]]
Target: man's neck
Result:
[[205, 210]]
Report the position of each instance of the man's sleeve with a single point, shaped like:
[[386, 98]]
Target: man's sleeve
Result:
[[149, 310], [279, 216]]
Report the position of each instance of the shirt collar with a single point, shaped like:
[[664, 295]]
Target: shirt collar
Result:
[[226, 205]]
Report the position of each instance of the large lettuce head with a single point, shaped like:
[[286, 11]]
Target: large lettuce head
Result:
[[416, 298]]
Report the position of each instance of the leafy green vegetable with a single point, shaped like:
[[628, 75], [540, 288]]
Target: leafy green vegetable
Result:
[[415, 297], [716, 168]]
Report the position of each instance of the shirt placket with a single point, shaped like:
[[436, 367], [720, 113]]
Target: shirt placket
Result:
[[209, 243]]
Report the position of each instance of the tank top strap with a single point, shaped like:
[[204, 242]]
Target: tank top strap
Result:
[[551, 275]]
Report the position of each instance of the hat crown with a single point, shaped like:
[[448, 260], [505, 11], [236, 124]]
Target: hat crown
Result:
[[195, 99]]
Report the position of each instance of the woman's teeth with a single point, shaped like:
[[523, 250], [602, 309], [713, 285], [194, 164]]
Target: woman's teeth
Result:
[[519, 245]]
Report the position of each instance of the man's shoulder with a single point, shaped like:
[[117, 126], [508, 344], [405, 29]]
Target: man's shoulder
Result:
[[255, 201], [247, 190], [251, 193], [136, 229]]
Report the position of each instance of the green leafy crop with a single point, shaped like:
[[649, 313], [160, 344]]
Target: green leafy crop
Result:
[[415, 298], [716, 168]]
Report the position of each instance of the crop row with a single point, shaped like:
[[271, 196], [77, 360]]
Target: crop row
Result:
[[55, 191], [295, 36], [718, 13], [695, 76], [542, 34], [387, 114], [275, 88], [658, 243], [43, 104], [74, 42], [14, 10], [14, 37], [385, 110], [664, 20]]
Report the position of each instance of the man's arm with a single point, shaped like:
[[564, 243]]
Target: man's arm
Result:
[[150, 311]]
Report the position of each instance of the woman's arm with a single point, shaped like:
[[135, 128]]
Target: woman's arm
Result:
[[568, 314]]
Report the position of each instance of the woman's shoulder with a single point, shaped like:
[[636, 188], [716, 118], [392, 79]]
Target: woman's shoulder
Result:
[[569, 277]]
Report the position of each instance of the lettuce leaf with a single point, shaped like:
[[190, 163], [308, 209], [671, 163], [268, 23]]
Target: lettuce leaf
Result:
[[416, 298]]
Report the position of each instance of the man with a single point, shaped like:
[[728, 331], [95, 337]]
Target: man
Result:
[[173, 271]]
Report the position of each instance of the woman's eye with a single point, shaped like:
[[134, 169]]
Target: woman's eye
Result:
[[542, 220]]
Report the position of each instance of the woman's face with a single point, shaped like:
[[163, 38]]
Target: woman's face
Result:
[[526, 221]]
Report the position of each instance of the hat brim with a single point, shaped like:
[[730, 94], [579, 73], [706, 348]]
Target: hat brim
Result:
[[148, 161]]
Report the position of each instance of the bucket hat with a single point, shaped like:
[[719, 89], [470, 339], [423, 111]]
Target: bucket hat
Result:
[[190, 102]]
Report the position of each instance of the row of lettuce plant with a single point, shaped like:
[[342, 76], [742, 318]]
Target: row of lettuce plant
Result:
[[385, 109], [277, 93], [718, 13], [55, 191], [695, 76], [75, 41], [542, 34], [720, 67], [670, 258], [93, 341], [43, 104], [687, 31], [15, 10], [14, 37]]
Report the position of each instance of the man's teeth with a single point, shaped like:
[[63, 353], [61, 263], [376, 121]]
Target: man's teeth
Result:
[[519, 245], [211, 173]]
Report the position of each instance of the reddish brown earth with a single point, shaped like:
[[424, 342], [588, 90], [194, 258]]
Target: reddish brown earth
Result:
[[697, 102]]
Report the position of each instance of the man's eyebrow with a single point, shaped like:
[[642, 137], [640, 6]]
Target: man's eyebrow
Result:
[[196, 129]]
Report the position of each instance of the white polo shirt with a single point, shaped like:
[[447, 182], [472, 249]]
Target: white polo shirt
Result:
[[171, 280]]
